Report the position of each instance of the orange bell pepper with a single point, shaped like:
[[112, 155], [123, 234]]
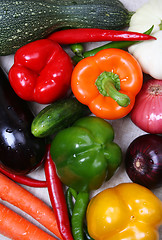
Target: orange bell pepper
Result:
[[107, 83], [126, 212]]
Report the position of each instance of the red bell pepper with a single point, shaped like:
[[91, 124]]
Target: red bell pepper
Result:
[[41, 72]]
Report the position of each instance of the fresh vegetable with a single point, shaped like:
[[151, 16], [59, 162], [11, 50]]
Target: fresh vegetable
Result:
[[147, 111], [114, 78], [120, 45], [77, 48], [20, 151], [57, 116], [143, 160], [57, 197], [85, 154], [126, 211], [78, 215], [25, 180], [70, 193], [27, 202], [27, 21], [41, 72], [16, 227], [80, 35], [80, 54], [148, 53], [69, 200]]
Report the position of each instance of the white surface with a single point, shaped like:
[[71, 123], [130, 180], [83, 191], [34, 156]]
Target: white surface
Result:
[[125, 132]]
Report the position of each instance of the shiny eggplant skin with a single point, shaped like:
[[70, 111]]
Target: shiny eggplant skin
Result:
[[20, 151]]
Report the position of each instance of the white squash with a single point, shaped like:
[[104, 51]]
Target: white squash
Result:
[[148, 53]]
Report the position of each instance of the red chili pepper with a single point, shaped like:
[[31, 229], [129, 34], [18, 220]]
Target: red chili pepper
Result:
[[79, 35], [25, 180], [41, 71], [57, 197]]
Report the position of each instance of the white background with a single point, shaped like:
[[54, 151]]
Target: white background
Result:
[[125, 132]]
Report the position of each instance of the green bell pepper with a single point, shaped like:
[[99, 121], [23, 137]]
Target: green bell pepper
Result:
[[85, 154]]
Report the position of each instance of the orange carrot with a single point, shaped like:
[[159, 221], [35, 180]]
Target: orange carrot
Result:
[[16, 227], [27, 202]]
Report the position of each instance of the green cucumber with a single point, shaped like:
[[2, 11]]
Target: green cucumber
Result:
[[57, 116], [23, 21]]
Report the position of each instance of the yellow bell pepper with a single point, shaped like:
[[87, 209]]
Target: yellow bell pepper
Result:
[[128, 211]]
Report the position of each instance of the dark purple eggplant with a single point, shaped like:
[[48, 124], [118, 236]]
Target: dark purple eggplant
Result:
[[20, 151], [143, 160]]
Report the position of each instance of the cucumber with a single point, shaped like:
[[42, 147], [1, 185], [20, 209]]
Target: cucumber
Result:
[[23, 21], [57, 116]]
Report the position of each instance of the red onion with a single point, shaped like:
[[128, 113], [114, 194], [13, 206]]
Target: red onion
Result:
[[143, 160], [147, 111]]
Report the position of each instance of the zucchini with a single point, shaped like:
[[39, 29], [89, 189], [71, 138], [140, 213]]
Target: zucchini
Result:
[[23, 21], [57, 116]]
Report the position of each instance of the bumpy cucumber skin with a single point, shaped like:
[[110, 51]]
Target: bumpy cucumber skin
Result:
[[24, 21], [57, 116]]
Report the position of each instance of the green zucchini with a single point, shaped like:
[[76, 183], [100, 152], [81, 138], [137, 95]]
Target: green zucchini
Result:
[[57, 116], [23, 21]]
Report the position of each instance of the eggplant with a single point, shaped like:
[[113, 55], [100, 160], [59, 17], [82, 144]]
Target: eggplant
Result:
[[20, 151]]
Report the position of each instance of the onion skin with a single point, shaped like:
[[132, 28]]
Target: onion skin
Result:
[[147, 111], [143, 160]]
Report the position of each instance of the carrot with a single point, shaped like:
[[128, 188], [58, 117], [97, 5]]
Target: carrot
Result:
[[27, 202], [16, 227]]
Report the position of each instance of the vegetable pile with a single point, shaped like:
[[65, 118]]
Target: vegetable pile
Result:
[[72, 139]]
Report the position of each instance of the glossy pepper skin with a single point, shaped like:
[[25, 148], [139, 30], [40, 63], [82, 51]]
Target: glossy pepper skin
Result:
[[107, 82], [41, 72], [128, 211], [79, 35], [85, 154]]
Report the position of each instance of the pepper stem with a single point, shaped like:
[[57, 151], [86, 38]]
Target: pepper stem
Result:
[[108, 84]]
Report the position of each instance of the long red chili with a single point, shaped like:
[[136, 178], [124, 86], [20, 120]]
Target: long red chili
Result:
[[57, 197], [80, 35], [25, 180]]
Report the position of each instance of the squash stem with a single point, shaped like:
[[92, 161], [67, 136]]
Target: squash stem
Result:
[[108, 84], [130, 14]]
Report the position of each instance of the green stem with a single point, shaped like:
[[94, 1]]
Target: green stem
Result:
[[108, 84]]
